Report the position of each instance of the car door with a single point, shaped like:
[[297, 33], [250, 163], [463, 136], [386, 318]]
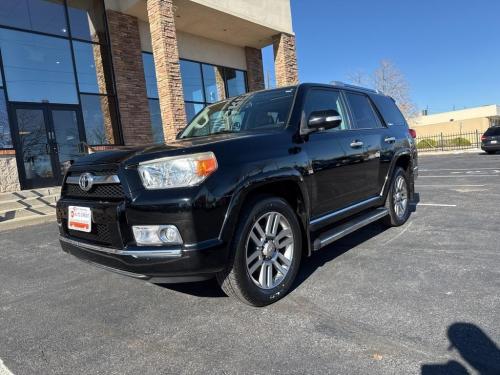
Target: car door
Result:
[[334, 176], [364, 141]]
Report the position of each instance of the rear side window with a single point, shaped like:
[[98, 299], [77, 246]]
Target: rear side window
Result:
[[363, 112], [493, 131], [325, 100], [389, 110]]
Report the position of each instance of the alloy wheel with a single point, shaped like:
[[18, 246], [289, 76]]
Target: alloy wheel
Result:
[[269, 250], [400, 197]]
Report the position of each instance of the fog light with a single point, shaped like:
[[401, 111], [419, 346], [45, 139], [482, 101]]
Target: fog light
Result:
[[154, 235]]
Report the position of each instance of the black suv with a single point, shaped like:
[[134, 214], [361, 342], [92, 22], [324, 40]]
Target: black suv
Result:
[[251, 185], [490, 141]]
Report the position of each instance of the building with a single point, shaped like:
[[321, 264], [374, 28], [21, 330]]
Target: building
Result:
[[102, 73], [457, 122]]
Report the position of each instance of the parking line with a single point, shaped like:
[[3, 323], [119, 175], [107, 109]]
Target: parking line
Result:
[[3, 369], [418, 185], [457, 169], [435, 204], [462, 176]]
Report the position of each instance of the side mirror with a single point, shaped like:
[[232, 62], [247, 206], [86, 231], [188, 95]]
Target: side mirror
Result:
[[323, 120]]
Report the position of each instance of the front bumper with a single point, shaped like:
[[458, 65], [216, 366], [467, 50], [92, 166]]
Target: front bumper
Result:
[[155, 264]]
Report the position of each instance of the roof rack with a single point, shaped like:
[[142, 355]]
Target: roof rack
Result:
[[348, 85]]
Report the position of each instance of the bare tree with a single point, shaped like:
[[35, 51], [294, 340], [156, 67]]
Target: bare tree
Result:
[[388, 79]]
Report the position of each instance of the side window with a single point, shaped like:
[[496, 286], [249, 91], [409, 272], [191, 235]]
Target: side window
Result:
[[363, 112], [389, 110], [324, 100]]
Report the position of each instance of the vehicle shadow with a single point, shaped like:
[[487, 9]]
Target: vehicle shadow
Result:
[[204, 289], [474, 346], [329, 253]]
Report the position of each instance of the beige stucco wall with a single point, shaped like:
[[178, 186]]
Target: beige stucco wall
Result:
[[453, 127], [275, 14], [9, 180], [197, 48]]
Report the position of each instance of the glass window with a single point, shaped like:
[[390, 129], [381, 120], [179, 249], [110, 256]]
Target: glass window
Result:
[[5, 138], [36, 15], [236, 82], [150, 75], [319, 100], [192, 109], [191, 81], [99, 117], [156, 124], [362, 111], [90, 67], [389, 110], [213, 91], [86, 19], [37, 68], [261, 111], [493, 131]]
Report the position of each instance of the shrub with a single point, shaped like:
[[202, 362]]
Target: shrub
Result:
[[427, 143], [459, 142]]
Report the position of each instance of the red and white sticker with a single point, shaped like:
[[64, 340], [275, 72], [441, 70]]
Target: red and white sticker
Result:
[[80, 218]]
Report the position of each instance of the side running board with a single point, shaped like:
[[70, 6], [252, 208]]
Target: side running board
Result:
[[343, 230]]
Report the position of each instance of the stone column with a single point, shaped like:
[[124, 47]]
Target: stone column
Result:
[[285, 60], [255, 69], [129, 76], [219, 79], [8, 170], [168, 72]]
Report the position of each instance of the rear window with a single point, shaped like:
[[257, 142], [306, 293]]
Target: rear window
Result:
[[493, 131], [389, 110]]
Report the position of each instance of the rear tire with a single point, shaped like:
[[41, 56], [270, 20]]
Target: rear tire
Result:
[[398, 199], [266, 253], [491, 152]]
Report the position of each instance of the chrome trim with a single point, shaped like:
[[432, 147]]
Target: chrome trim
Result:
[[390, 140], [356, 144], [97, 180], [173, 253], [343, 210], [354, 227]]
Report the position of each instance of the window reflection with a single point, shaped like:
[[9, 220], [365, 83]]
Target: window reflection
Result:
[[214, 83], [156, 124], [191, 81], [99, 114], [192, 109], [150, 75], [37, 68], [236, 83], [92, 77], [5, 138], [86, 18], [35, 15]]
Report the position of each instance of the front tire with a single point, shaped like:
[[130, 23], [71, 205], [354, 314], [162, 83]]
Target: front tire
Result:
[[398, 199], [267, 249]]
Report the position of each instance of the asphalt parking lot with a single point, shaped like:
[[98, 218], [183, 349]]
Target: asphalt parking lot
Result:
[[422, 298]]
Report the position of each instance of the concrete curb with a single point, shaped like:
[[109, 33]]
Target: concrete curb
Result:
[[453, 152]]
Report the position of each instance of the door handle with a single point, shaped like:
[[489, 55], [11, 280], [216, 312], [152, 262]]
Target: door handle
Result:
[[390, 139], [356, 144]]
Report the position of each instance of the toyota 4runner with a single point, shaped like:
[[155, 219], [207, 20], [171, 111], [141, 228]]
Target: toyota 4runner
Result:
[[250, 186]]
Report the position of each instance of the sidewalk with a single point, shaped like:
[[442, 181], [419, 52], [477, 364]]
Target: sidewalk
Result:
[[452, 152]]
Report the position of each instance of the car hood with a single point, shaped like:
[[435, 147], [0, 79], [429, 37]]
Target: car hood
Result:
[[134, 155]]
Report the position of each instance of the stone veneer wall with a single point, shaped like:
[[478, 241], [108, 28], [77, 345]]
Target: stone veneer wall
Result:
[[9, 177], [129, 76], [255, 69], [285, 60], [168, 72]]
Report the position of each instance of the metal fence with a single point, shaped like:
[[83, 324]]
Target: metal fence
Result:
[[444, 142]]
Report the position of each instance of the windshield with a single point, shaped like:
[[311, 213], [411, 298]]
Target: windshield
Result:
[[265, 110]]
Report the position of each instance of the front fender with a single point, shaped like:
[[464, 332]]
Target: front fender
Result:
[[259, 183]]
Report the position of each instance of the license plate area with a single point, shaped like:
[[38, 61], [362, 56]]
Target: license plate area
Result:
[[80, 219], [494, 142]]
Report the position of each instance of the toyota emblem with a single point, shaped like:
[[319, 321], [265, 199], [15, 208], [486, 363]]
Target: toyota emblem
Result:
[[86, 181]]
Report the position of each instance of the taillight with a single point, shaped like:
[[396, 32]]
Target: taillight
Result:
[[483, 137], [413, 133]]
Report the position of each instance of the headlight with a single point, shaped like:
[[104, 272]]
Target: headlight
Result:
[[177, 171]]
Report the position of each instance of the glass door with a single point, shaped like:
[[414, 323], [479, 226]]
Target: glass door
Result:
[[46, 136]]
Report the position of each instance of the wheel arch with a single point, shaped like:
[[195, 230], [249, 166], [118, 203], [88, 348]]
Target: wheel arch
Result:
[[290, 187]]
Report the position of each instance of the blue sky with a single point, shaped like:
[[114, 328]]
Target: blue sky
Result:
[[449, 50]]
